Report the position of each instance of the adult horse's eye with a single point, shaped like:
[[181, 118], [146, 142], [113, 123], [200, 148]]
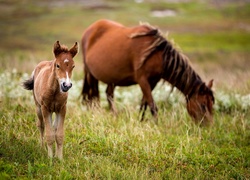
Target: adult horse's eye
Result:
[[57, 66], [203, 107]]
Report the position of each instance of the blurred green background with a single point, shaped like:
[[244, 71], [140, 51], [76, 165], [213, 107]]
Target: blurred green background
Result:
[[214, 34]]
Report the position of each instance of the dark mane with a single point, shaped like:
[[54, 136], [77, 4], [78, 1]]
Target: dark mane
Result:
[[156, 43], [60, 49], [176, 67], [178, 71]]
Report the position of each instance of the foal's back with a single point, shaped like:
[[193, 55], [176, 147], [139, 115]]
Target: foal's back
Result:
[[43, 69]]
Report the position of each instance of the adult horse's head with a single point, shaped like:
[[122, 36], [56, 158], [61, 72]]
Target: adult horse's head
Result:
[[200, 104], [64, 65]]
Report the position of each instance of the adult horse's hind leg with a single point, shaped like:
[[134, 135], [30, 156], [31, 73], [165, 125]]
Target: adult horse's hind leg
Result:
[[59, 132], [110, 96], [40, 124]]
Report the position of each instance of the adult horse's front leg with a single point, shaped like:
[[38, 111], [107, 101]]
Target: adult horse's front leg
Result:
[[147, 95], [59, 131], [110, 96], [143, 107], [49, 131], [144, 102]]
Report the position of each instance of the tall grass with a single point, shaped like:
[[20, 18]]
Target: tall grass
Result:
[[101, 145]]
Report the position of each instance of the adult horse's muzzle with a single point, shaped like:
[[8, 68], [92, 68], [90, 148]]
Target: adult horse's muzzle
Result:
[[65, 86]]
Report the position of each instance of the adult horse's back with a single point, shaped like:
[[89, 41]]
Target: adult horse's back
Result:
[[123, 56]]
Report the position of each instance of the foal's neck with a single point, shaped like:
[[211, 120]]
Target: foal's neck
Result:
[[52, 80]]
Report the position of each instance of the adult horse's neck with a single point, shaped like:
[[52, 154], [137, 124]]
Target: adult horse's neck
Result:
[[178, 72], [176, 69]]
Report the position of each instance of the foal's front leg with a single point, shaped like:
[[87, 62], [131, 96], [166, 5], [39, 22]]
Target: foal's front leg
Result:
[[59, 132], [49, 131], [40, 124]]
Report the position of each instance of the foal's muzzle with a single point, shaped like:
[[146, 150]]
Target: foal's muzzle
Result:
[[66, 86]]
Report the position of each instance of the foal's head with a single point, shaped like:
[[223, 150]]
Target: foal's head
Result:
[[64, 65], [200, 104]]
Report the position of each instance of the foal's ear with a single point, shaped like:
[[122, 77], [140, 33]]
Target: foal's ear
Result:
[[57, 48], [73, 51], [210, 83]]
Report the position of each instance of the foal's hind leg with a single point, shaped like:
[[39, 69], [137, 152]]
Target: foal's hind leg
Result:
[[110, 96]]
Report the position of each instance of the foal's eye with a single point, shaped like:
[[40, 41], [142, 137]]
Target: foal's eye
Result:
[[73, 67], [57, 66]]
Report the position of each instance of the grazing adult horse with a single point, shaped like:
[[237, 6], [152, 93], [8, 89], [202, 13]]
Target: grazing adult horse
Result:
[[50, 83], [123, 56]]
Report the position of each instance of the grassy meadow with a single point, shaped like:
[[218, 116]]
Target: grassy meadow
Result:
[[215, 35]]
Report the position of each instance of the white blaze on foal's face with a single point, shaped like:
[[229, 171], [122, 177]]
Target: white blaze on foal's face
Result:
[[64, 72], [67, 81]]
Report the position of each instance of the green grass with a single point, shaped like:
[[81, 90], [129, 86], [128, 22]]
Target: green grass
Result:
[[100, 145]]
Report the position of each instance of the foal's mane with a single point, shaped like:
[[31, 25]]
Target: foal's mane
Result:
[[61, 49], [176, 67], [64, 49]]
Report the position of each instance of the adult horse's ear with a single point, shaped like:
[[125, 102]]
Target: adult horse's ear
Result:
[[73, 51], [57, 48], [202, 89], [210, 83]]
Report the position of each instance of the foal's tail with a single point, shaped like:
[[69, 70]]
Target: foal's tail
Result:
[[29, 84]]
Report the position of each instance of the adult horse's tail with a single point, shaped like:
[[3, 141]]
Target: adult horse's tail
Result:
[[29, 84], [90, 91]]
